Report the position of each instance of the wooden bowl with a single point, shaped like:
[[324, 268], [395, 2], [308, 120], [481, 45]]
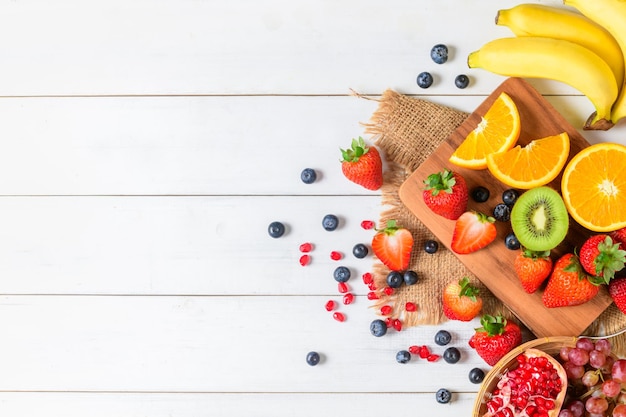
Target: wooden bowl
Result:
[[549, 345]]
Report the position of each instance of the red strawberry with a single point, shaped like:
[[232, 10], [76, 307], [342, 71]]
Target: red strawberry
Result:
[[602, 257], [472, 231], [619, 236], [393, 246], [362, 165], [446, 194], [460, 300], [568, 284], [495, 338], [532, 268], [617, 290]]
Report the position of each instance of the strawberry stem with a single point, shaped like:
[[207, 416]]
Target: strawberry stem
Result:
[[493, 325], [357, 150], [440, 181]]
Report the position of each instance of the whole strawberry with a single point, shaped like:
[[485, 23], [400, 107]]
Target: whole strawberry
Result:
[[461, 301], [472, 231], [532, 268], [393, 245], [619, 236], [446, 194], [568, 284], [495, 338], [617, 290], [362, 165], [602, 257]]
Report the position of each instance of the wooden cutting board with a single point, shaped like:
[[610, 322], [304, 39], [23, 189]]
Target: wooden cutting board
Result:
[[493, 265]]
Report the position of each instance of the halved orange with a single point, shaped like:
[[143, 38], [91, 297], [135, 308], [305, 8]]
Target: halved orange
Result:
[[594, 187], [498, 131], [533, 165]]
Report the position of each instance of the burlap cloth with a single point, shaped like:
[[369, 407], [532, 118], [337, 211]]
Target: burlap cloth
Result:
[[407, 130]]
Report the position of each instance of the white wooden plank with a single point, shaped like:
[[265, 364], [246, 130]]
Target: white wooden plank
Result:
[[225, 404], [214, 344], [72, 47], [195, 145], [183, 245]]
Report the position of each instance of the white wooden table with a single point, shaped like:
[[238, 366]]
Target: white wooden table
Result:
[[145, 148]]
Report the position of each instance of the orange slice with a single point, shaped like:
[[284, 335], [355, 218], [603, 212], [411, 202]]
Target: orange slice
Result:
[[594, 187], [533, 165], [497, 132]]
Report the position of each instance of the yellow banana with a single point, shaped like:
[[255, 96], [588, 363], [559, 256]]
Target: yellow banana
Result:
[[556, 59], [552, 22], [611, 14]]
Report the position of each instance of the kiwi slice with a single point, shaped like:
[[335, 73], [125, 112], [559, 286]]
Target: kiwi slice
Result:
[[539, 219]]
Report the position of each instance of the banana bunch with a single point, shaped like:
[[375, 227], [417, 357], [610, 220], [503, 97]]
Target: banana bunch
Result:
[[585, 50]]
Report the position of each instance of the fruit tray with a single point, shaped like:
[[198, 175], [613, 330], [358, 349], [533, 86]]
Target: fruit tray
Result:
[[493, 265]]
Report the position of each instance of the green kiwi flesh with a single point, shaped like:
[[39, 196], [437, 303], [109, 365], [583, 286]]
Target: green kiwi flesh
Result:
[[539, 219]]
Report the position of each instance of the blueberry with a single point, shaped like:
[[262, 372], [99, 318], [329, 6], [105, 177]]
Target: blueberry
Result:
[[360, 251], [378, 328], [439, 53], [431, 246], [476, 375], [276, 229], [461, 81], [313, 358], [308, 175], [502, 212], [424, 79], [341, 274], [410, 277], [330, 222], [403, 356], [509, 197], [511, 242], [451, 355], [395, 279], [443, 337], [480, 194], [443, 396]]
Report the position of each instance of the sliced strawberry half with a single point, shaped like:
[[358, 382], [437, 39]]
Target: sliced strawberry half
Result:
[[473, 231], [393, 246]]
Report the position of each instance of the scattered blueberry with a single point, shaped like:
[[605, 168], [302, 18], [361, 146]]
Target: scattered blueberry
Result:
[[512, 242], [476, 375], [378, 328], [330, 222], [308, 175], [502, 212], [410, 277], [480, 194], [395, 279], [509, 197], [360, 251], [451, 355], [424, 79], [431, 246], [443, 396], [461, 81], [313, 358], [341, 274], [403, 356], [439, 53], [276, 229], [443, 337]]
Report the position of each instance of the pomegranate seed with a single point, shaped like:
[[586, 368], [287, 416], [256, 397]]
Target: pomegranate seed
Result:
[[386, 310], [339, 316], [371, 286], [397, 324], [372, 295], [330, 305], [342, 287], [367, 224], [389, 322], [367, 278], [306, 247], [305, 260], [388, 290], [424, 352], [414, 350], [348, 298], [433, 357], [336, 256], [410, 306]]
